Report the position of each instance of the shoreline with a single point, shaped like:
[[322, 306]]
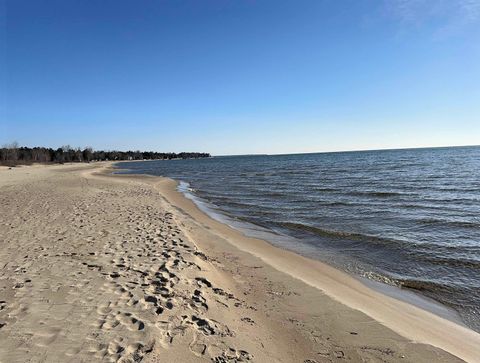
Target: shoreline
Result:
[[410, 237], [410, 321], [113, 267], [250, 230], [409, 296]]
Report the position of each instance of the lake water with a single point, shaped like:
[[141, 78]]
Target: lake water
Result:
[[408, 218]]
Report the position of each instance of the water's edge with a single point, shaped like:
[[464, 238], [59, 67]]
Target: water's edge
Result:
[[280, 240]]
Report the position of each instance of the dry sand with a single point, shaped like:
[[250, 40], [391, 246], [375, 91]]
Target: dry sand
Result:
[[97, 267]]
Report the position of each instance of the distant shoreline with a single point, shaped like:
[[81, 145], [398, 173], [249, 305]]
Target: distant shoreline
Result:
[[13, 154]]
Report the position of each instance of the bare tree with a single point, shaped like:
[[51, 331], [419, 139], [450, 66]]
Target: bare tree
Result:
[[12, 151], [88, 154]]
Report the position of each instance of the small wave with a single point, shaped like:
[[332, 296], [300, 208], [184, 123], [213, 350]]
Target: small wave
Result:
[[455, 262], [339, 234], [456, 189], [294, 172], [376, 194], [434, 221], [321, 189], [424, 285], [307, 228], [451, 200], [273, 194], [335, 204]]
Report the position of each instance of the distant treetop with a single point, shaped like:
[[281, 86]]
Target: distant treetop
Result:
[[13, 154]]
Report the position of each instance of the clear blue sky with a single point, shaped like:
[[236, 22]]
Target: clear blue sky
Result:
[[233, 77]]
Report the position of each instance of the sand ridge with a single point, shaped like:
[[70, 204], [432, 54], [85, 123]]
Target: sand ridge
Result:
[[104, 268]]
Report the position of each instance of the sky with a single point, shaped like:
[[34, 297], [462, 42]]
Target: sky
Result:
[[240, 77]]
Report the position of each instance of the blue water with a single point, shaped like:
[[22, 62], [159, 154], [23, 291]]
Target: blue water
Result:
[[409, 218]]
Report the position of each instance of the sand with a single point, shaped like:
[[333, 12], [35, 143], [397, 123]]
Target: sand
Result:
[[96, 267]]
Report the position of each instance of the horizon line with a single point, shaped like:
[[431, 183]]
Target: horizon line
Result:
[[348, 151]]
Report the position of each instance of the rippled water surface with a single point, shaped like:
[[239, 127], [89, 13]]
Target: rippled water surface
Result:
[[409, 218]]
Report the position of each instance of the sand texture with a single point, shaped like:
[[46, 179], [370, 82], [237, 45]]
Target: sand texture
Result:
[[107, 268]]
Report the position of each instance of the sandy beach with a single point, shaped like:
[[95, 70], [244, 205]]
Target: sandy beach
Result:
[[101, 267]]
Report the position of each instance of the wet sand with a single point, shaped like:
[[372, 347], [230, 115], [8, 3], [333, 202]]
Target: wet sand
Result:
[[100, 267]]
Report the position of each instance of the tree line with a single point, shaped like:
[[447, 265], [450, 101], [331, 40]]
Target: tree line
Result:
[[12, 154]]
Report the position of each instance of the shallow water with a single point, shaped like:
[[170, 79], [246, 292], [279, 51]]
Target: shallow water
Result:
[[409, 218]]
